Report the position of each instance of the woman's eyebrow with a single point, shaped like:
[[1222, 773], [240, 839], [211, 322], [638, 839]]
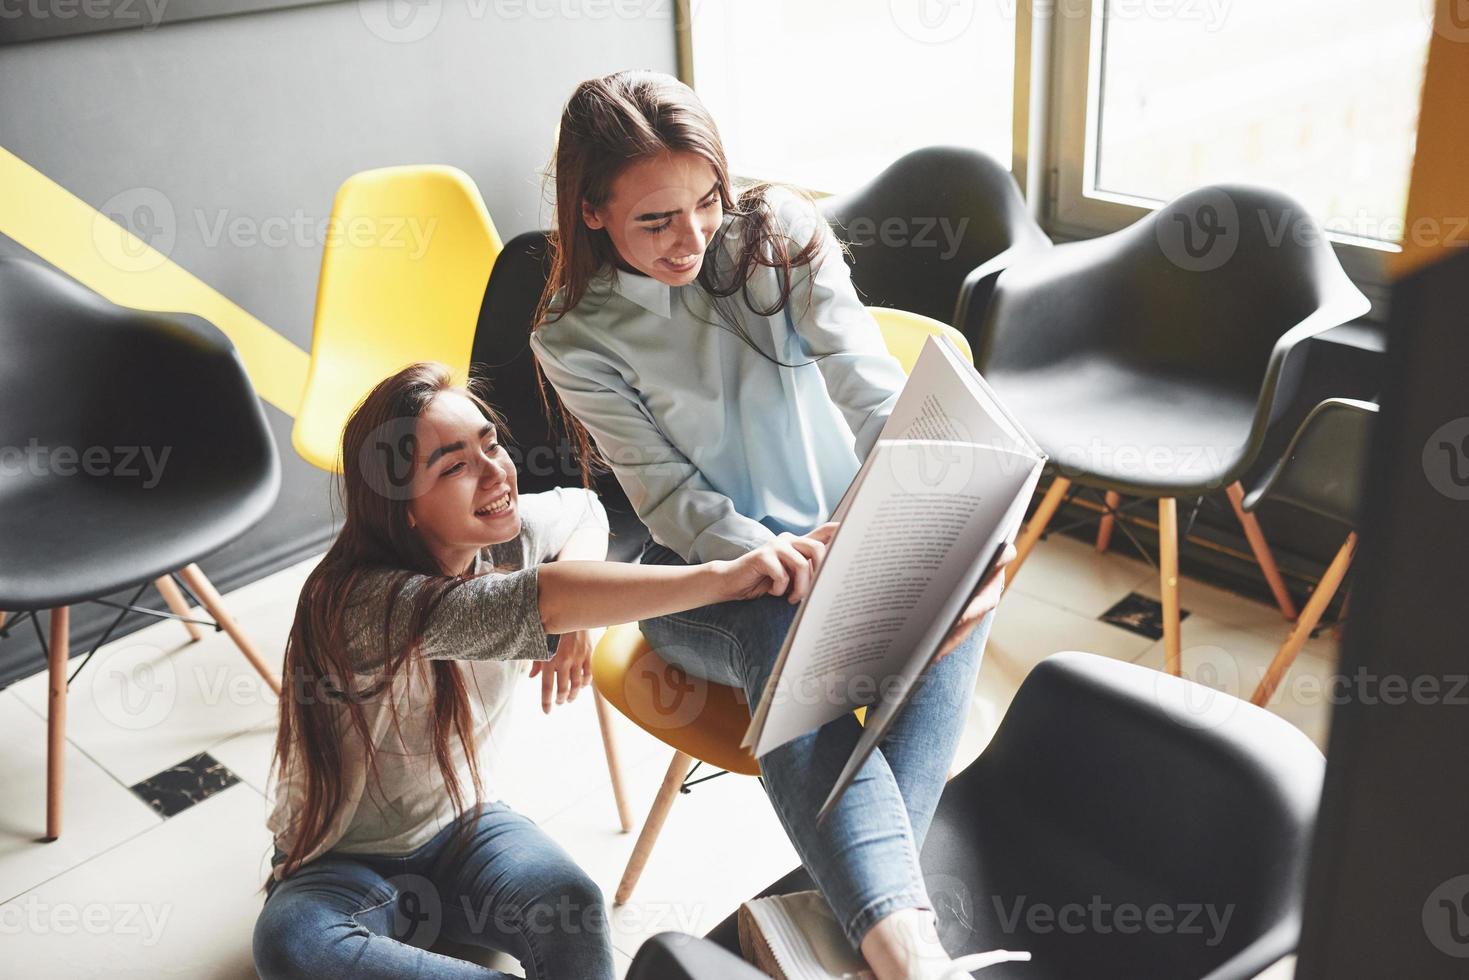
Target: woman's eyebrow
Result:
[[660, 215], [444, 450], [454, 447]]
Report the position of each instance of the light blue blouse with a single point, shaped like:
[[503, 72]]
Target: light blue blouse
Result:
[[718, 448]]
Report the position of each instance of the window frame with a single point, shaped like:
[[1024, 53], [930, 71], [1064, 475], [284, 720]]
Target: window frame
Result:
[[1055, 116]]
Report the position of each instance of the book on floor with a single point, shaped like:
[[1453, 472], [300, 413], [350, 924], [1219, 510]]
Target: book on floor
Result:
[[942, 493]]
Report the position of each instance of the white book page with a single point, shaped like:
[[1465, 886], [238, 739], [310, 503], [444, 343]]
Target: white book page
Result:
[[914, 533], [880, 719]]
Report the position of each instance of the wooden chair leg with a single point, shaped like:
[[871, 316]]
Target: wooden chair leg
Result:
[[678, 770], [60, 644], [177, 604], [194, 578], [1037, 526], [614, 769], [3, 616], [1261, 548], [1104, 529], [1168, 583], [1310, 616]]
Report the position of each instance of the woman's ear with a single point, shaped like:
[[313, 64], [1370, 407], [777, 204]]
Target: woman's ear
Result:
[[590, 216]]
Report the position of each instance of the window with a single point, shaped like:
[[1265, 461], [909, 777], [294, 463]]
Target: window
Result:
[[1319, 99], [825, 93], [1123, 104], [1316, 97]]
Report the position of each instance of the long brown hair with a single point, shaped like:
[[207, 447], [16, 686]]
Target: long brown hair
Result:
[[319, 671], [608, 124]]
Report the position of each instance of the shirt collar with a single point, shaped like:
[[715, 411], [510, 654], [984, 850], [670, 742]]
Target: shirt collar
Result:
[[647, 292]]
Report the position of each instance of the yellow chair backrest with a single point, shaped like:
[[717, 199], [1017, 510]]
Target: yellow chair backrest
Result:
[[905, 332], [403, 274]]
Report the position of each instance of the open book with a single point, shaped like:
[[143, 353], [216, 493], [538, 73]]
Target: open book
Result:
[[923, 523]]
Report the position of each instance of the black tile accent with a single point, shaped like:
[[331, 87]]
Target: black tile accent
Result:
[[1138, 614], [179, 787]]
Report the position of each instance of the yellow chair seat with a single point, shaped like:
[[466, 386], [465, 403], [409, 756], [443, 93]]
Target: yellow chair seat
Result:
[[904, 334], [690, 714]]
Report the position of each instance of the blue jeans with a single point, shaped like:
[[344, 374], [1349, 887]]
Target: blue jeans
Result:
[[864, 857], [369, 916]]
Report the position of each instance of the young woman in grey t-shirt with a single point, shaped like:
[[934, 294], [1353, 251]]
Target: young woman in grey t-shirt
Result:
[[408, 637]]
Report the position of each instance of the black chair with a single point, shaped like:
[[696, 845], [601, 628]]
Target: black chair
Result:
[[92, 397], [501, 354], [1150, 362], [932, 232], [677, 956], [1322, 472], [1115, 808]]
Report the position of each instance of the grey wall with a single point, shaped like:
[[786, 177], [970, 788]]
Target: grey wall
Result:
[[250, 123]]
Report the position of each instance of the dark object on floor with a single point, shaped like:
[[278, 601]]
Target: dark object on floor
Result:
[[179, 787]]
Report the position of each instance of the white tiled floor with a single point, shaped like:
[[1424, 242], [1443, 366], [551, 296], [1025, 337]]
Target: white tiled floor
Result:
[[126, 893]]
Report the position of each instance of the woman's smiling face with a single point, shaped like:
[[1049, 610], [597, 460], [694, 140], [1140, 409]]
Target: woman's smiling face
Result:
[[464, 482], [661, 214]]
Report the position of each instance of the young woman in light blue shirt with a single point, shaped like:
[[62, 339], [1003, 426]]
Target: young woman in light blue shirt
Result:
[[711, 342]]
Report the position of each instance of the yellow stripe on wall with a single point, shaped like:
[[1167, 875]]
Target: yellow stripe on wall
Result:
[[90, 247]]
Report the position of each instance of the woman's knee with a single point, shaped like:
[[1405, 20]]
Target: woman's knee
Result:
[[568, 903], [288, 943]]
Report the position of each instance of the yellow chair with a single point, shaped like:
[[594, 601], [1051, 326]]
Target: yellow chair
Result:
[[704, 722], [904, 333], [408, 253]]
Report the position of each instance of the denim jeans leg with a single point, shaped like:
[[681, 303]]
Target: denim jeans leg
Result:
[[513, 888], [341, 917], [921, 742], [863, 858]]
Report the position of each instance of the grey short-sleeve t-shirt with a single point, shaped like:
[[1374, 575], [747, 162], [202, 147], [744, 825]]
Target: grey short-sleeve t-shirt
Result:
[[491, 626]]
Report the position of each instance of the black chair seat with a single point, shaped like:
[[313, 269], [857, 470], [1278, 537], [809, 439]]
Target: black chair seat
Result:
[[1110, 786], [87, 538], [1114, 427], [83, 375]]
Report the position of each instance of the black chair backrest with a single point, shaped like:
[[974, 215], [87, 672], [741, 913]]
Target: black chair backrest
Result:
[[1325, 465], [1134, 780], [1202, 288], [82, 372], [920, 227], [501, 354]]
